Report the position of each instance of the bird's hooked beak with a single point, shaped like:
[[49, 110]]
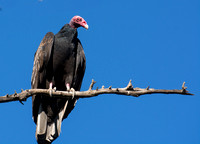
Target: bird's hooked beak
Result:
[[86, 26]]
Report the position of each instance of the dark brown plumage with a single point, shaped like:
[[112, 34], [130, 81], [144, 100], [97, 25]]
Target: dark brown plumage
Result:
[[59, 62]]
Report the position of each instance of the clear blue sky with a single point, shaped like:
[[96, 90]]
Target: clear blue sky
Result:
[[154, 43]]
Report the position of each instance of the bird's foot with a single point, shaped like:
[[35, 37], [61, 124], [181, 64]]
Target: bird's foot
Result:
[[54, 88], [50, 92], [70, 90], [51, 89], [73, 92]]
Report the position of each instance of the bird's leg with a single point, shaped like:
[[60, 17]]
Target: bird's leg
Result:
[[67, 86], [50, 85], [70, 90]]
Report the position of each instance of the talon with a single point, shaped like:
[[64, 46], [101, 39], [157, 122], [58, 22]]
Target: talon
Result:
[[54, 88], [50, 92], [70, 90], [73, 92], [50, 89]]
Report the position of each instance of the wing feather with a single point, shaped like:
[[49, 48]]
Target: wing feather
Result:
[[41, 60], [80, 67]]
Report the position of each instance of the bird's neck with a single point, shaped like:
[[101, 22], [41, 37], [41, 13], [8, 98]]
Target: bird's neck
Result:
[[67, 31]]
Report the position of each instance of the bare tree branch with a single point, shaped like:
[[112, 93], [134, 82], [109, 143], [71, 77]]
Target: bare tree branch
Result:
[[128, 91]]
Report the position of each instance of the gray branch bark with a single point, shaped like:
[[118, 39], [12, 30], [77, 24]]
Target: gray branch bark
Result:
[[129, 90]]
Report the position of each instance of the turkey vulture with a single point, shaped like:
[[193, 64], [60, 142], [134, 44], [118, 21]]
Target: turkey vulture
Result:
[[59, 63]]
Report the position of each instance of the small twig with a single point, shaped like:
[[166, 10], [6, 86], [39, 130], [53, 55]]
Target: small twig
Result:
[[15, 94], [129, 86], [92, 84], [21, 102], [147, 88], [183, 87]]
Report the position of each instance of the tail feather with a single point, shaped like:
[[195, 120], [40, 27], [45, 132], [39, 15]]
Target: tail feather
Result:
[[41, 122], [47, 132]]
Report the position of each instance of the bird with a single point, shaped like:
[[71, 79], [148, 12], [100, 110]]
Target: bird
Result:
[[59, 63]]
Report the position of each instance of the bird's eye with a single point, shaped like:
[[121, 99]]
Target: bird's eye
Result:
[[79, 20]]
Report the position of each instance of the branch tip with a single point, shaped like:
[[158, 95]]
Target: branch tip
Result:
[[21, 102], [147, 88], [183, 86], [92, 84], [15, 93], [129, 86]]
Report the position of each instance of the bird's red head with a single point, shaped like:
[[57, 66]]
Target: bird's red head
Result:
[[78, 21]]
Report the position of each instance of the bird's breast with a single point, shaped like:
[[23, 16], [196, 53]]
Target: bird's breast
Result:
[[64, 61]]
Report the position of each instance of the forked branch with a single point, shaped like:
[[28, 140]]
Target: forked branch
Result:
[[129, 90]]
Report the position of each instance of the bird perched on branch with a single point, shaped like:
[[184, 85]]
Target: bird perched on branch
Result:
[[59, 62]]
